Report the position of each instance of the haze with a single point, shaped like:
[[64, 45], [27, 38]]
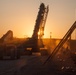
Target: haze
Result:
[[20, 16]]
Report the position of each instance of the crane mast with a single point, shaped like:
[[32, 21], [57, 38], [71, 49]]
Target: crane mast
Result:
[[41, 19], [39, 26]]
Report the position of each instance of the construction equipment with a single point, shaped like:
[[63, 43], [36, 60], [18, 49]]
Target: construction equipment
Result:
[[64, 39], [7, 37], [32, 42], [16, 50], [7, 46], [39, 27]]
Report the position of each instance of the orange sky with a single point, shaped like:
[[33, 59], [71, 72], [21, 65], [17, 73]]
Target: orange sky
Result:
[[20, 16]]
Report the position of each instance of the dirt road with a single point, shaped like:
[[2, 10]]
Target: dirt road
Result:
[[33, 65]]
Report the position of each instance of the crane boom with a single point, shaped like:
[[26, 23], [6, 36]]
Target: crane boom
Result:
[[41, 19], [39, 26], [64, 39]]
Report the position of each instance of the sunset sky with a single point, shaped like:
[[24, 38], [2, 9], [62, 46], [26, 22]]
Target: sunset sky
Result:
[[20, 16]]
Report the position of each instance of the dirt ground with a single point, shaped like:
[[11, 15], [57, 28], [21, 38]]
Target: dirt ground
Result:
[[61, 64]]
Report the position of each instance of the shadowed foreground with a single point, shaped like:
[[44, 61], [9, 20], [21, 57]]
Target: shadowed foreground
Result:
[[33, 65]]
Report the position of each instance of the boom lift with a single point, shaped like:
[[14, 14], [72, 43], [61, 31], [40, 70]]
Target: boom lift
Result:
[[64, 39]]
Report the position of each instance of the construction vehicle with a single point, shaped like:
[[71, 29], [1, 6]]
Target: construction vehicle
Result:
[[15, 51], [39, 27], [7, 46], [32, 44], [7, 37], [61, 43]]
